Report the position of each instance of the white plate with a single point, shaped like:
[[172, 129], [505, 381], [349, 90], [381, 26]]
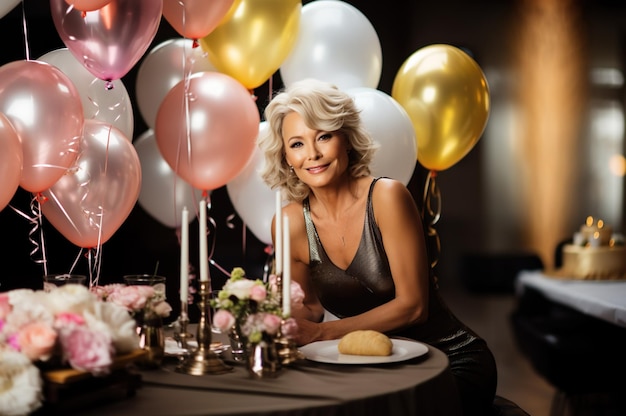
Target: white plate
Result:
[[327, 352]]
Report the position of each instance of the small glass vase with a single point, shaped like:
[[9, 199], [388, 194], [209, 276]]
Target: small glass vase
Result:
[[263, 360], [151, 339], [237, 344]]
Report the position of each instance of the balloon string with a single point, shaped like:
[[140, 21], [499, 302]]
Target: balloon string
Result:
[[187, 69], [37, 221], [80, 252], [26, 47], [432, 198], [213, 226], [270, 88]]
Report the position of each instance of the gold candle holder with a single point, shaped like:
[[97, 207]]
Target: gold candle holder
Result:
[[285, 345], [287, 350], [203, 360]]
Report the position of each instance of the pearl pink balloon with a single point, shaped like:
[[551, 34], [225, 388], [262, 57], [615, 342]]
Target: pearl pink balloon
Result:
[[11, 158], [94, 198], [194, 19], [163, 193], [254, 201], [161, 69], [390, 126], [112, 106], [220, 138], [44, 107], [111, 40], [336, 43], [88, 5]]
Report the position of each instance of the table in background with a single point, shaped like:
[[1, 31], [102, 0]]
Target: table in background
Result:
[[604, 299], [574, 332], [421, 386]]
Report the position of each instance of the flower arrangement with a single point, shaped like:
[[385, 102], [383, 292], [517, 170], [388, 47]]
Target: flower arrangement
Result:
[[253, 307], [70, 325], [137, 299]]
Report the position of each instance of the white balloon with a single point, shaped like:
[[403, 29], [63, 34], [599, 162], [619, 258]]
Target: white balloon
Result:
[[111, 106], [336, 43], [163, 193], [164, 67], [7, 5], [254, 201], [390, 126]]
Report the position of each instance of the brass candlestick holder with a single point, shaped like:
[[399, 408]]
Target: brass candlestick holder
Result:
[[286, 348], [203, 360], [285, 345]]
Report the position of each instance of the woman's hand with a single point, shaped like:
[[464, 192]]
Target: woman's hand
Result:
[[307, 332]]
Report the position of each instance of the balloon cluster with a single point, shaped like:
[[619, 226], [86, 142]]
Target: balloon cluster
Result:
[[66, 120]]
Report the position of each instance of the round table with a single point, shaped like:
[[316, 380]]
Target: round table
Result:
[[423, 385]]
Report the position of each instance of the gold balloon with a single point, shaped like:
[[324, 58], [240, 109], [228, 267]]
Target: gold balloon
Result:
[[252, 44], [446, 95]]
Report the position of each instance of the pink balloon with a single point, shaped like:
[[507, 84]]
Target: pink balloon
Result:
[[45, 109], [221, 136], [11, 158], [111, 40], [195, 19], [92, 200], [88, 5]]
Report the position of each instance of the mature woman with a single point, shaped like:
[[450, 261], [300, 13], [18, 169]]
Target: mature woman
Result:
[[357, 242]]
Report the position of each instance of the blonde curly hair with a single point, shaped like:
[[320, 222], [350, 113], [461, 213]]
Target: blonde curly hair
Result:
[[323, 107]]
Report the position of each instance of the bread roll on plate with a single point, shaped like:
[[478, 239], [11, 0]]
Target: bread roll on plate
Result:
[[365, 342]]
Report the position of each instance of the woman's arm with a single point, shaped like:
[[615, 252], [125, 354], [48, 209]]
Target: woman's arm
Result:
[[403, 237]]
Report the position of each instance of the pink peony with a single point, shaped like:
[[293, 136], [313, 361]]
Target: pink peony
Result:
[[297, 295], [223, 320], [258, 293], [36, 340], [65, 319], [271, 323], [133, 298], [290, 327], [88, 350]]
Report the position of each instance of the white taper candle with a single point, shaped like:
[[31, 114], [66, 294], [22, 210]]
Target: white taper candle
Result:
[[278, 248], [204, 250], [184, 256], [286, 268]]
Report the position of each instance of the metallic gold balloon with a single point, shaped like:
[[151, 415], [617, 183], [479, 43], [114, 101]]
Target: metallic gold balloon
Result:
[[252, 44], [446, 95]]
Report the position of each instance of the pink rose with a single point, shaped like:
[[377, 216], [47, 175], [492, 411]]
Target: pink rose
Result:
[[290, 327], [271, 323], [297, 295], [88, 350], [258, 293], [65, 319], [223, 320], [133, 298], [36, 340]]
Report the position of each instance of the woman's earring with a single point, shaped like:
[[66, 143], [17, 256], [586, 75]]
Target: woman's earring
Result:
[[290, 169]]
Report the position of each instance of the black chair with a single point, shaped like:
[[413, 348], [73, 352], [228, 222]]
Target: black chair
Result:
[[581, 356]]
